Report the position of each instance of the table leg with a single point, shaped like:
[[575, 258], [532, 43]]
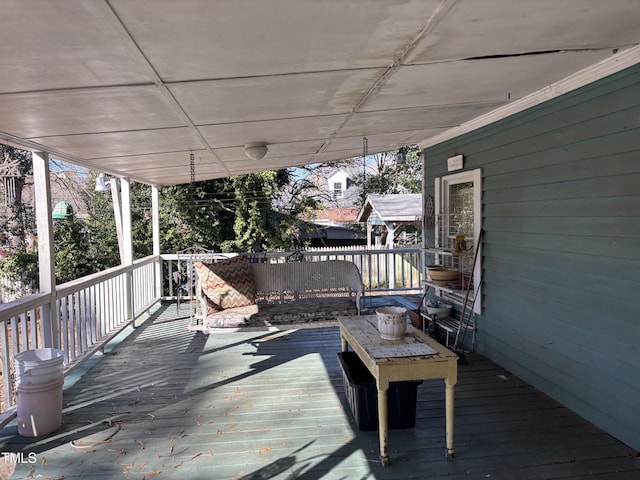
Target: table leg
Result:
[[449, 409], [343, 343], [383, 421]]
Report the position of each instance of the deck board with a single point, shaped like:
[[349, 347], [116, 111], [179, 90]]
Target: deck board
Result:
[[168, 402]]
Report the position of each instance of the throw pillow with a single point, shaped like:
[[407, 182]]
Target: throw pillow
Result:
[[228, 284]]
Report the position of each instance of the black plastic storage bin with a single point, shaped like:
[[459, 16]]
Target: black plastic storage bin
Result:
[[362, 395]]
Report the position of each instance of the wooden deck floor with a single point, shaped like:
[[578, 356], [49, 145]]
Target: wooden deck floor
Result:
[[171, 403]]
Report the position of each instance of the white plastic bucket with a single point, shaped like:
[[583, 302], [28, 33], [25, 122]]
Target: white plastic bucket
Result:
[[42, 365], [39, 408]]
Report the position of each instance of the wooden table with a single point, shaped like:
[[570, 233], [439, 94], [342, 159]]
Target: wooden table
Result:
[[415, 357]]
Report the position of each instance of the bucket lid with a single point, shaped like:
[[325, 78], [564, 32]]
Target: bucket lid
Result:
[[40, 355]]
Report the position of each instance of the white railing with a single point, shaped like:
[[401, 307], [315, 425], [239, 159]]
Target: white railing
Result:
[[382, 271], [87, 313]]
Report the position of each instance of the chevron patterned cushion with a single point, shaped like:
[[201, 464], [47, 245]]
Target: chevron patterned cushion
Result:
[[228, 284]]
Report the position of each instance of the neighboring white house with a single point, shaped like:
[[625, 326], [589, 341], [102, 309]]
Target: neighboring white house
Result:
[[337, 184], [335, 223]]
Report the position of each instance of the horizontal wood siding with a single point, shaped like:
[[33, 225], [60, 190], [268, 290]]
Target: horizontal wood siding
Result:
[[561, 254]]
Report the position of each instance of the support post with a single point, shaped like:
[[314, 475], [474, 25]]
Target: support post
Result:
[[46, 259], [117, 213], [155, 225], [127, 245]]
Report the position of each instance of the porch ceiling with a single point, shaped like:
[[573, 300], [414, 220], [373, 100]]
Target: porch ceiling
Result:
[[132, 87]]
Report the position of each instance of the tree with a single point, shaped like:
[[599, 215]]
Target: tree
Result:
[[22, 267], [17, 221], [256, 224], [198, 213], [72, 254], [232, 214], [387, 176]]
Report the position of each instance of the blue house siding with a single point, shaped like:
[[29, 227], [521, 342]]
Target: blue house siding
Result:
[[561, 247]]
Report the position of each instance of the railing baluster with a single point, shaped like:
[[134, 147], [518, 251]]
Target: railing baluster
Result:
[[99, 306], [15, 334], [91, 312], [73, 334], [5, 364], [86, 319], [61, 305], [33, 327]]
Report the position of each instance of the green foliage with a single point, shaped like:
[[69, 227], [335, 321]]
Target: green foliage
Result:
[[195, 214], [256, 224], [21, 266], [101, 231], [141, 226], [72, 255], [232, 214]]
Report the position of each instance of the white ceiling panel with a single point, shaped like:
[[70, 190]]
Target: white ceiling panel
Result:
[[374, 142], [489, 28], [271, 131], [60, 45], [334, 156], [247, 165], [412, 119], [472, 81], [203, 39], [125, 143], [134, 86], [278, 97], [163, 167], [40, 114]]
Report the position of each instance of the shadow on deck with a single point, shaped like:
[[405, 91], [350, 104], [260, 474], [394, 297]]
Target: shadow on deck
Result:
[[167, 402]]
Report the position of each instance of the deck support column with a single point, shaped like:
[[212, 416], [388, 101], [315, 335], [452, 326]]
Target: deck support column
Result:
[[127, 246], [155, 227], [46, 258]]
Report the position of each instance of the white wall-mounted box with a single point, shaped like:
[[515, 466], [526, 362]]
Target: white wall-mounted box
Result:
[[455, 163]]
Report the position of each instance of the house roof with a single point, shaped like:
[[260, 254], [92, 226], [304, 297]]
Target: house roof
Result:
[[134, 88], [336, 215], [392, 208]]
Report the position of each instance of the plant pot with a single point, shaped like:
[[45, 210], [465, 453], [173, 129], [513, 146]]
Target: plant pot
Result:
[[392, 322]]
